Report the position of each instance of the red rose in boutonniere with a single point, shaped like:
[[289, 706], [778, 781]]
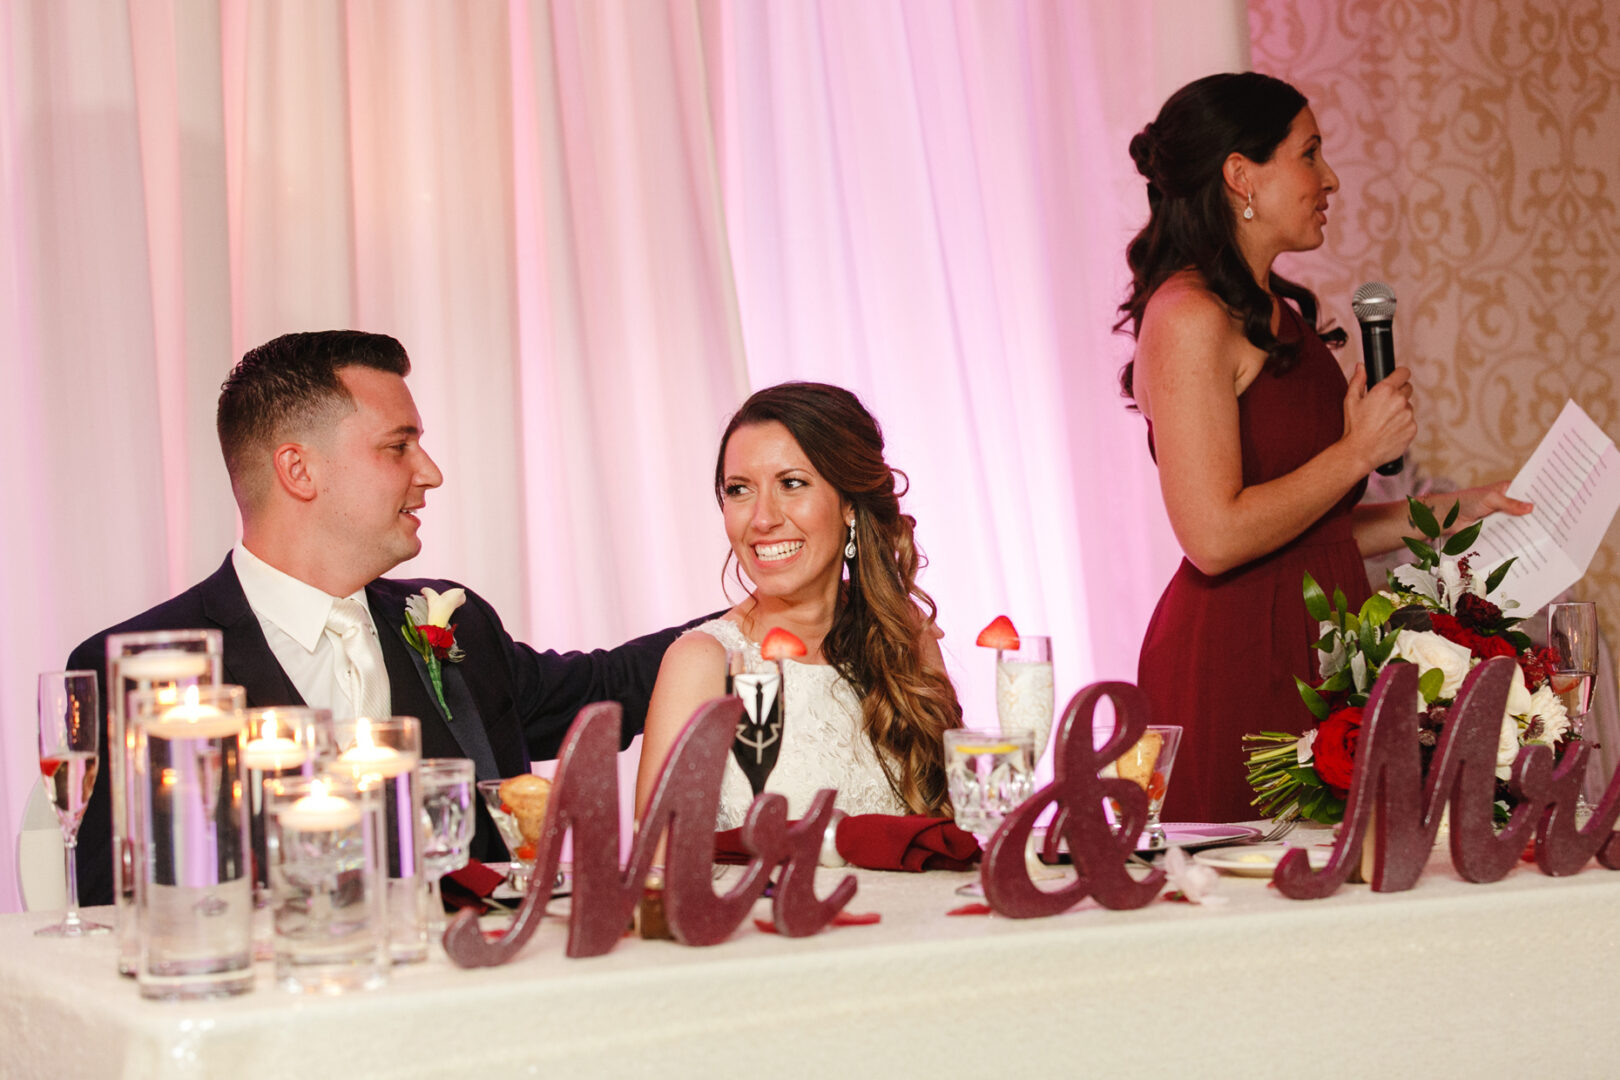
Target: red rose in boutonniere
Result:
[[429, 631]]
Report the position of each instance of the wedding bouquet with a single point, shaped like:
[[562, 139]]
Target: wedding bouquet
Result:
[[1437, 614]]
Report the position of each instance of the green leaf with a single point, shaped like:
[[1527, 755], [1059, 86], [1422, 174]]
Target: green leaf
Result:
[[1315, 600], [1459, 544], [1422, 517], [1313, 701], [1339, 602], [1498, 574], [1520, 640], [1377, 610], [1451, 515], [1368, 638], [1429, 684], [1325, 642], [1423, 551], [1340, 680]]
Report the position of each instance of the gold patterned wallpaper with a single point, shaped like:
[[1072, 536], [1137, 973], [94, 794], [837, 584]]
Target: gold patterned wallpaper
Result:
[[1477, 143]]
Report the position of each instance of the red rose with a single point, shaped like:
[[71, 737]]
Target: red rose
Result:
[[442, 638], [1334, 752], [1481, 646]]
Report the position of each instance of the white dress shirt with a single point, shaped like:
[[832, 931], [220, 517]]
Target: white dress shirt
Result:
[[293, 615]]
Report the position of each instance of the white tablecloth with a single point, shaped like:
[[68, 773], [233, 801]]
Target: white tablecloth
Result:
[[1510, 979]]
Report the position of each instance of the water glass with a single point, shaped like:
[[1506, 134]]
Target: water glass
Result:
[[383, 754], [327, 894], [194, 884], [156, 662], [988, 776], [447, 806]]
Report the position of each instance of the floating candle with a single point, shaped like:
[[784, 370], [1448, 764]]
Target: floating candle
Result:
[[192, 719], [273, 754], [163, 665], [319, 812], [367, 759]]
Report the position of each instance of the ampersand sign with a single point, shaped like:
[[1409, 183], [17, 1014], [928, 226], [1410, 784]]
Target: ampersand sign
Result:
[[1099, 850]]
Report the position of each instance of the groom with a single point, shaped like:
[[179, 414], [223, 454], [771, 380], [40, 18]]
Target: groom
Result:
[[323, 445]]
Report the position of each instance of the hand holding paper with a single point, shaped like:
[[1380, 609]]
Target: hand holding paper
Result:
[[1574, 479]]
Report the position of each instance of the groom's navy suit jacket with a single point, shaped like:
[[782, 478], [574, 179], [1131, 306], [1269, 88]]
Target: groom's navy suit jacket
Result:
[[508, 703]]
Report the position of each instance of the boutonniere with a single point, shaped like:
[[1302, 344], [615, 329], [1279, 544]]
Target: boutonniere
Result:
[[428, 630]]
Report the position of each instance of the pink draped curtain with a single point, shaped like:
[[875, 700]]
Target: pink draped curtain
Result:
[[596, 226]]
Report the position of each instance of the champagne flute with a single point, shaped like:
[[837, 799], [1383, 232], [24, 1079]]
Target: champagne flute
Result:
[[69, 724], [1572, 637]]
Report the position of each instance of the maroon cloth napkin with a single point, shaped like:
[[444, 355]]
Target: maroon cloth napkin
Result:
[[883, 842], [910, 842], [469, 886]]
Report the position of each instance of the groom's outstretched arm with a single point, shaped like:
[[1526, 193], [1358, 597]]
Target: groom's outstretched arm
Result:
[[551, 687]]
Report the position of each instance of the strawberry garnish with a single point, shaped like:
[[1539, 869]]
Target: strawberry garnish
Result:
[[1000, 634], [526, 852], [48, 767], [779, 644], [1156, 785]]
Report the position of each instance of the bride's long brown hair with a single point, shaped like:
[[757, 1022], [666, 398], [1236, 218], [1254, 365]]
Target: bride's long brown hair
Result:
[[881, 613]]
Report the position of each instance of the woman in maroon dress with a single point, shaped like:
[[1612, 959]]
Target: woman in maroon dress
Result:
[[1262, 445]]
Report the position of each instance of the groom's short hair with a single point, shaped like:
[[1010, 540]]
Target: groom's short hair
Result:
[[287, 388]]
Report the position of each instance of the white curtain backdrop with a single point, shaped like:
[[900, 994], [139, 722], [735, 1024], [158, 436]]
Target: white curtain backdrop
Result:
[[596, 226]]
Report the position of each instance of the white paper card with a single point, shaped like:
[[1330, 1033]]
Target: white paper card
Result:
[[1574, 479]]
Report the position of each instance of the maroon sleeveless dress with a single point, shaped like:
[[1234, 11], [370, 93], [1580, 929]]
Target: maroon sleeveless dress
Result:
[[1221, 652]]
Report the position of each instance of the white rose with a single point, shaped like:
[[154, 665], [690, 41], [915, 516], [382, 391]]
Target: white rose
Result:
[[1428, 650], [440, 606], [1507, 747]]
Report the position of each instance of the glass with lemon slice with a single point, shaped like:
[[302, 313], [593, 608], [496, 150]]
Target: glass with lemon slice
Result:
[[988, 776]]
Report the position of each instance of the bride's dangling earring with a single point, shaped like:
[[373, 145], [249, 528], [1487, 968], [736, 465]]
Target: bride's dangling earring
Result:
[[849, 548], [1248, 210]]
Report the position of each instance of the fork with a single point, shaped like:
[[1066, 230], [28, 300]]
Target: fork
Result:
[[1280, 828]]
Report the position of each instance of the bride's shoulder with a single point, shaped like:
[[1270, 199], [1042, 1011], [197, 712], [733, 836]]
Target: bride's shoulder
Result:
[[709, 638]]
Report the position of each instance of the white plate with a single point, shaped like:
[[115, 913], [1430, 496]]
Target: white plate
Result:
[[1258, 860]]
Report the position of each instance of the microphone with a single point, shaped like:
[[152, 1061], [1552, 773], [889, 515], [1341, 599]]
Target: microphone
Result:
[[1374, 305]]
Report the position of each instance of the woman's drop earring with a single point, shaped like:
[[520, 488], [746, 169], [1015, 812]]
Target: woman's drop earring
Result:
[[849, 548], [1248, 211]]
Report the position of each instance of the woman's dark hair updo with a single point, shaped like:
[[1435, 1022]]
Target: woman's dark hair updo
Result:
[[1190, 220]]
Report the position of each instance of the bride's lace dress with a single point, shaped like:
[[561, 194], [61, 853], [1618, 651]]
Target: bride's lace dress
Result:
[[823, 745]]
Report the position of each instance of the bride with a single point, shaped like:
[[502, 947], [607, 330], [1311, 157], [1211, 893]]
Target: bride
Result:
[[806, 498]]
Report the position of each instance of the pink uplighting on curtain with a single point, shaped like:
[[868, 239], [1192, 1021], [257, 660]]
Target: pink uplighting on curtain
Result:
[[596, 227]]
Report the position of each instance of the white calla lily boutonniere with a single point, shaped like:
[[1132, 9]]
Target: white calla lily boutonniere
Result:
[[429, 631]]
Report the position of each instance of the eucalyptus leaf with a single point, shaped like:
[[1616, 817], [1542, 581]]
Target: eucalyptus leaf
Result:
[[1459, 544], [1316, 601]]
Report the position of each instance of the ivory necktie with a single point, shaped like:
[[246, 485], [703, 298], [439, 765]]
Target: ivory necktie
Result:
[[369, 686]]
